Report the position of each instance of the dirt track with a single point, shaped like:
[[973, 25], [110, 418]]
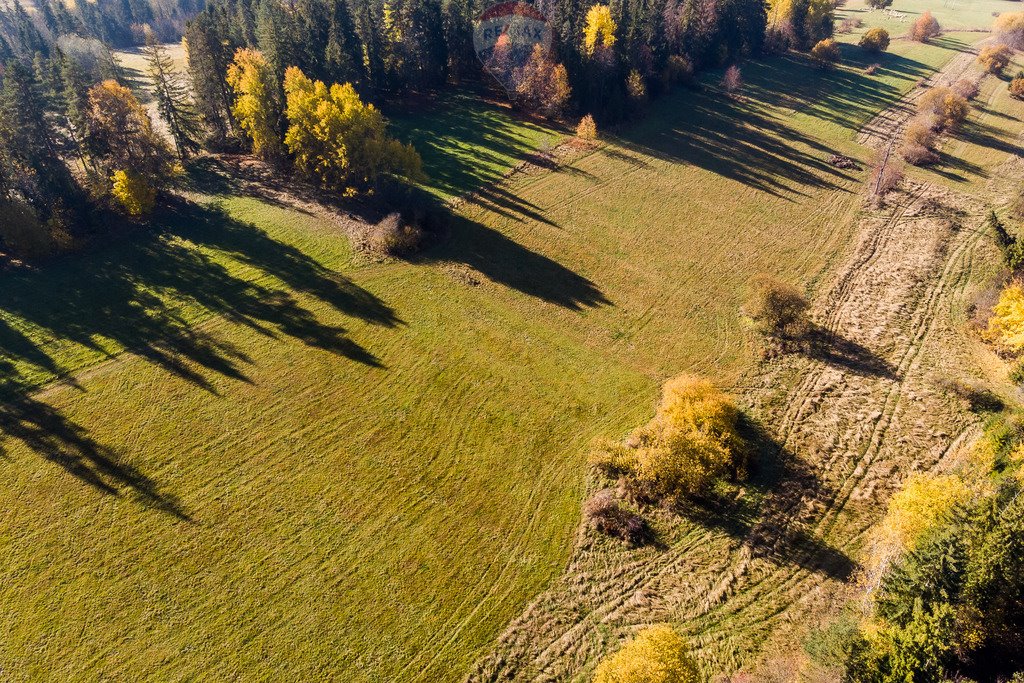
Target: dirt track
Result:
[[849, 422]]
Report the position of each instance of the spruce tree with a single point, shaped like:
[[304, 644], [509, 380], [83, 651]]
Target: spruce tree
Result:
[[172, 97]]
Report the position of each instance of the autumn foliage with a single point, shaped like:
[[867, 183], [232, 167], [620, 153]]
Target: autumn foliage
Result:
[[925, 28], [826, 53], [599, 29], [692, 441], [658, 654], [1006, 326], [875, 40], [255, 105], [995, 58], [133, 193], [337, 139]]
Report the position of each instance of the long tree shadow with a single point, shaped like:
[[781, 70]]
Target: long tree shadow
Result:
[[59, 440], [834, 349], [774, 518], [145, 295], [505, 261], [740, 140]]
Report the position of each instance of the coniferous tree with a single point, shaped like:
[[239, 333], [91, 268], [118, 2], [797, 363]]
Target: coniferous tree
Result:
[[172, 98], [206, 48]]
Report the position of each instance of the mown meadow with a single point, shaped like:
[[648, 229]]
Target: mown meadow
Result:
[[269, 458]]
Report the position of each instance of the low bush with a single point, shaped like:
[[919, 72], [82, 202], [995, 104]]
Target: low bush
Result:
[[870, 69], [875, 40], [607, 515], [966, 88], [778, 308], [1017, 87], [658, 654], [995, 58], [918, 155], [925, 28], [826, 53], [848, 24], [393, 236]]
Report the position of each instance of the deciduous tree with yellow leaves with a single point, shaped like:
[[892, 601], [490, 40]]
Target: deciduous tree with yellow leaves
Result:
[[656, 655], [255, 106], [692, 441], [599, 30], [337, 139], [1006, 326]]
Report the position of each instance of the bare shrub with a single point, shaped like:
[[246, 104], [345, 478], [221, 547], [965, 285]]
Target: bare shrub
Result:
[[605, 514], [872, 68], [778, 308], [393, 237], [918, 155], [848, 24], [732, 80], [925, 28], [587, 129], [886, 176], [995, 58], [967, 88]]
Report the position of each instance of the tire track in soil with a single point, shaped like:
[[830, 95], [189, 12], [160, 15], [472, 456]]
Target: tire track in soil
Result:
[[608, 591], [855, 430]]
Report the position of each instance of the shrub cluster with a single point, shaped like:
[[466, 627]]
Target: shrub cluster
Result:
[[875, 40], [691, 443], [940, 109], [995, 58], [608, 516]]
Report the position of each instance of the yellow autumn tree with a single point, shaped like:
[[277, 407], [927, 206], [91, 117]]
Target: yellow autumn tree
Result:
[[599, 30], [336, 138], [135, 195], [542, 84], [1006, 326], [692, 441], [255, 106], [121, 134], [923, 502], [656, 655]]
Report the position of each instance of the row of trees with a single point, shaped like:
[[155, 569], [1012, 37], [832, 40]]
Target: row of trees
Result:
[[388, 47], [117, 23]]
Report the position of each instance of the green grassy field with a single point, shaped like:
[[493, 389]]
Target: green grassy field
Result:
[[311, 467]]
